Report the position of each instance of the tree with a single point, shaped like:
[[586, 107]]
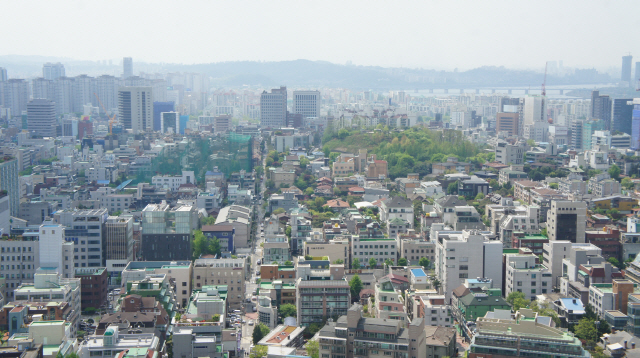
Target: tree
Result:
[[494, 184], [613, 261], [480, 196], [356, 287], [543, 232], [614, 171], [435, 283], [209, 220], [308, 191], [531, 142], [203, 245], [259, 351], [278, 211], [313, 349], [313, 329], [388, 262], [355, 264], [402, 262], [288, 263], [627, 183], [424, 262], [215, 318], [553, 185], [288, 310], [516, 300], [586, 329], [287, 232], [259, 331], [339, 262], [71, 355], [373, 262], [452, 188]]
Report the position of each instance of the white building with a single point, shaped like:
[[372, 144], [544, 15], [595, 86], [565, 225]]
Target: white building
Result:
[[460, 255], [307, 103], [112, 341], [173, 182], [524, 275], [380, 249], [55, 252]]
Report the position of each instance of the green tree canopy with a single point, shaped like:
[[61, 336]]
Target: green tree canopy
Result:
[[203, 245], [373, 262], [402, 261], [424, 262], [586, 329], [517, 300], [260, 330], [259, 351], [614, 171], [313, 349], [356, 287], [355, 264], [288, 310]]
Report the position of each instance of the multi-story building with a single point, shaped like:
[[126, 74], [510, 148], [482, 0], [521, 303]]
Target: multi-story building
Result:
[[164, 239], [118, 239], [56, 254], [94, 281], [48, 285], [397, 207], [507, 122], [524, 275], [499, 337], [380, 249], [9, 182], [611, 296], [15, 93], [174, 182], [273, 108], [433, 308], [414, 249], [53, 71], [19, 259], [41, 117], [243, 179], [460, 254], [354, 336], [509, 154], [389, 303], [276, 249], [602, 185], [85, 228], [231, 272], [222, 123], [135, 108], [127, 67], [180, 272], [321, 299], [307, 103], [567, 220], [621, 115]]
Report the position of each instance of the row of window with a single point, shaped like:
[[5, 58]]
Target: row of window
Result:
[[15, 258], [26, 249]]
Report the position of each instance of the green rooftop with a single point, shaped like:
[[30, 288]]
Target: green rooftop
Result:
[[534, 237]]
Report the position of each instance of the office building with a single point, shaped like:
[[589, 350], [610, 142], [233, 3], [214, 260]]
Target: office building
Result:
[[85, 229], [635, 124], [158, 108], [56, 253], [127, 67], [510, 154], [273, 108], [507, 122], [9, 183], [178, 272], [353, 335], [118, 242], [621, 115], [307, 103], [601, 109], [135, 108], [222, 123], [567, 220], [164, 239], [231, 272], [169, 122], [321, 299], [15, 95], [625, 75], [53, 71], [20, 258], [524, 275], [95, 283], [41, 118]]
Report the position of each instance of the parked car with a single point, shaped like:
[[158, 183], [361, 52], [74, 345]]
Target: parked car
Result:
[[251, 323], [255, 309]]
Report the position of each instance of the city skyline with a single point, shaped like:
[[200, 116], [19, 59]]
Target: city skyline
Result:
[[426, 35]]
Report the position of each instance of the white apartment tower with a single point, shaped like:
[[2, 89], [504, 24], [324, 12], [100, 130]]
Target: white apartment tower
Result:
[[53, 71], [135, 108], [307, 103], [127, 67]]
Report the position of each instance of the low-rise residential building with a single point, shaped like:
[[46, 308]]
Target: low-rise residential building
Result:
[[509, 175], [611, 296], [389, 303], [231, 272], [178, 271], [524, 275]]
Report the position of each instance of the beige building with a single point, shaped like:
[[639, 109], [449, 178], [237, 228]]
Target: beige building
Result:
[[337, 249], [177, 271], [279, 177], [231, 272], [414, 249], [507, 122]]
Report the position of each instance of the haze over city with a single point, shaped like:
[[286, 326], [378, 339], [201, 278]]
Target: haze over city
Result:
[[417, 34]]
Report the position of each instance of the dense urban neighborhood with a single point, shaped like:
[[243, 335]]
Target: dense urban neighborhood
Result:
[[153, 215]]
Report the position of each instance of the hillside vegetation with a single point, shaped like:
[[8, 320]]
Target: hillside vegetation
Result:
[[409, 151]]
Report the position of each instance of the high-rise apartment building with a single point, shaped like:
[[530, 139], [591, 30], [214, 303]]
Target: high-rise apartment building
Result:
[[15, 95], [9, 183], [107, 90], [601, 108], [64, 99], [536, 125], [43, 88], [118, 242], [567, 220], [621, 115], [135, 108], [3, 74], [52, 71], [636, 76], [127, 67], [84, 88], [307, 103], [625, 75], [41, 117], [273, 108]]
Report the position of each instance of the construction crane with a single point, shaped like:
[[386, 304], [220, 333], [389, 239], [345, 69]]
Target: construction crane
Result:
[[544, 83], [111, 119]]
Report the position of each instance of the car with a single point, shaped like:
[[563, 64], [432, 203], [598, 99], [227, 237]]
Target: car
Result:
[[237, 311], [251, 323], [248, 300], [254, 298], [255, 309], [257, 273], [243, 322]]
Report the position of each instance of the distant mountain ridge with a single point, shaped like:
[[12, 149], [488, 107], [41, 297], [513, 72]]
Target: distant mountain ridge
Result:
[[318, 74]]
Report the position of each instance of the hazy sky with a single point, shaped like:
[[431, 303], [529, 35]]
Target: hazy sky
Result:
[[429, 34]]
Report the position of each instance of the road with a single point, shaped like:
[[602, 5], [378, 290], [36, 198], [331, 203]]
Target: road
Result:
[[251, 286]]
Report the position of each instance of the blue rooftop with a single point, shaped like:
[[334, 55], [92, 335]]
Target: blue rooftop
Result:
[[418, 273], [574, 304]]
